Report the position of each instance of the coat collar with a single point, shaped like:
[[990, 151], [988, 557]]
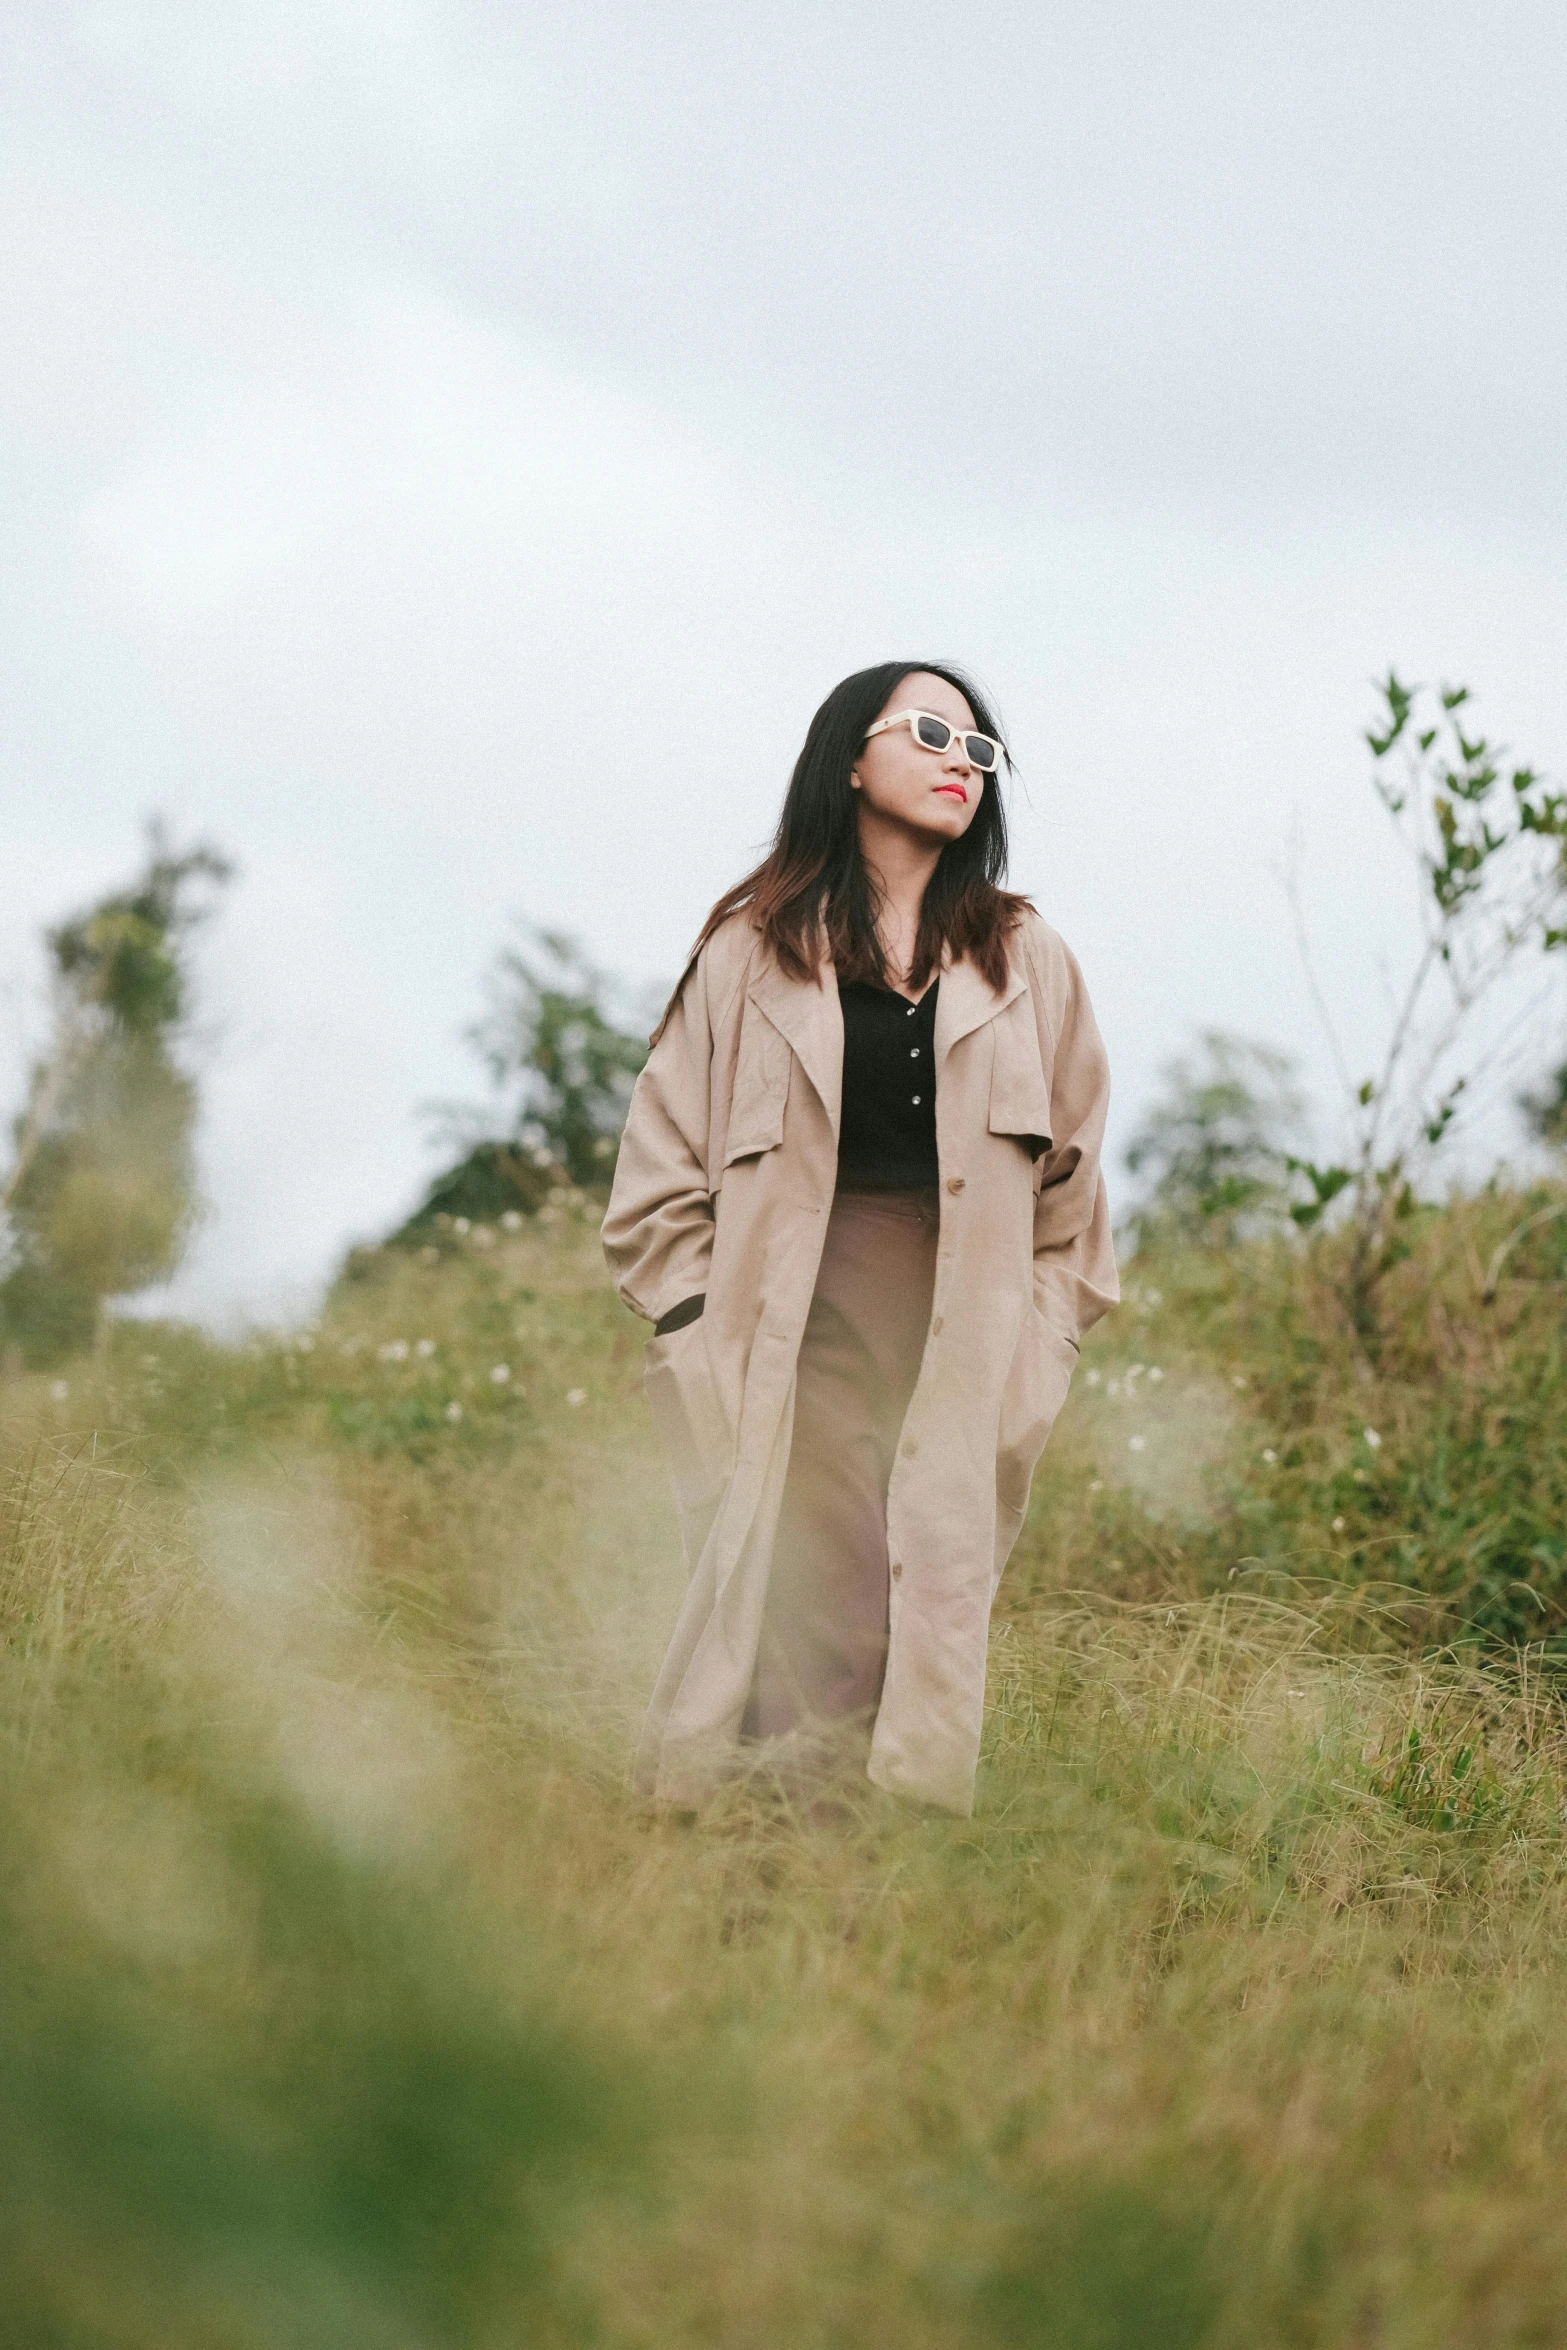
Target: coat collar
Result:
[[807, 1012]]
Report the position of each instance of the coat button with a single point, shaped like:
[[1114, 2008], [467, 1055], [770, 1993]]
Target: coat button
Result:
[[954, 1183], [910, 1449], [897, 1569], [935, 1328]]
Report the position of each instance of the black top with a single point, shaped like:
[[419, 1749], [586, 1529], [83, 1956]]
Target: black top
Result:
[[887, 1137]]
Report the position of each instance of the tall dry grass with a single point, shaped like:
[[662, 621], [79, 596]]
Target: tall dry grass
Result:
[[351, 1999]]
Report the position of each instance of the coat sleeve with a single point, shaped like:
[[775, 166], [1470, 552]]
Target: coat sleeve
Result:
[[1075, 1279], [658, 1232]]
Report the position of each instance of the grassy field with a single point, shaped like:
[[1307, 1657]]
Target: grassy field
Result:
[[349, 1999]]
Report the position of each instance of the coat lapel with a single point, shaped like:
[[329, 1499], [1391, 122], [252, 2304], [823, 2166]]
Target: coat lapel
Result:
[[807, 1012], [967, 1000]]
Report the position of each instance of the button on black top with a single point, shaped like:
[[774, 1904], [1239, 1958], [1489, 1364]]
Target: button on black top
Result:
[[887, 1138]]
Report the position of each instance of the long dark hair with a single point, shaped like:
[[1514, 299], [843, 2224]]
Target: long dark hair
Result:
[[812, 888]]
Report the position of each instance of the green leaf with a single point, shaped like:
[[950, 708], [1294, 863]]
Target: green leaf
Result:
[[1326, 1182], [1399, 698]]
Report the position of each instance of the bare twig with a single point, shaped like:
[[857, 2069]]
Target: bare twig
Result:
[[1290, 877]]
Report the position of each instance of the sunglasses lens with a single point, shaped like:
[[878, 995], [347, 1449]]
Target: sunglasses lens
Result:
[[934, 733], [981, 750]]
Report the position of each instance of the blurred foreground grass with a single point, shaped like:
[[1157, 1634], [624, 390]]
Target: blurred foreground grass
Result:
[[349, 2000]]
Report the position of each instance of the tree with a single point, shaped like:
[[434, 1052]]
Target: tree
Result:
[[563, 1067], [1488, 843], [1213, 1148], [100, 1194], [549, 1039]]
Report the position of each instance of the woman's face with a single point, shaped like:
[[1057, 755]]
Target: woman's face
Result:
[[934, 793]]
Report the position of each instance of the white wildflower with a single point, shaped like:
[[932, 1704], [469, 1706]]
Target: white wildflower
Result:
[[59, 1389], [1372, 1438], [511, 1221], [1137, 1444], [576, 1395], [1096, 1485], [1092, 1378], [454, 1411], [424, 1348], [1269, 1455], [1154, 1373], [1338, 1525], [500, 1374], [394, 1351], [483, 1237], [1239, 1379], [461, 1224]]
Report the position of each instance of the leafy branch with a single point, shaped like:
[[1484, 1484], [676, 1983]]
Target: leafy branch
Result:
[[1488, 842]]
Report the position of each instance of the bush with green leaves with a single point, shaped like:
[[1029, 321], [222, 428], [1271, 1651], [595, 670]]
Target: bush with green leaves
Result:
[[1546, 1111]]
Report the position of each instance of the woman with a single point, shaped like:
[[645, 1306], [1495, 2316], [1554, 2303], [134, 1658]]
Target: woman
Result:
[[859, 1197]]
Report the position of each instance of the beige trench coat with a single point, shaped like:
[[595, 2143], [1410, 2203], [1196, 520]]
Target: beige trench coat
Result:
[[724, 1184]]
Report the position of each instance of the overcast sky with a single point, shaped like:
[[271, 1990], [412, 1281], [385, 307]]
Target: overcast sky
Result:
[[448, 451]]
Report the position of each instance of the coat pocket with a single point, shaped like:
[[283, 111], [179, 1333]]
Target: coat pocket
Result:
[[1036, 1385], [678, 1381]]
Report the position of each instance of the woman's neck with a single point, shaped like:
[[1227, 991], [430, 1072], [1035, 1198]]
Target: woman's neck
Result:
[[898, 865]]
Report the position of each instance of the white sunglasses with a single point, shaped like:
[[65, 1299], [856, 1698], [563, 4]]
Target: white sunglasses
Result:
[[934, 734]]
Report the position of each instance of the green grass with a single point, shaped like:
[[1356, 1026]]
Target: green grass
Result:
[[349, 1999]]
